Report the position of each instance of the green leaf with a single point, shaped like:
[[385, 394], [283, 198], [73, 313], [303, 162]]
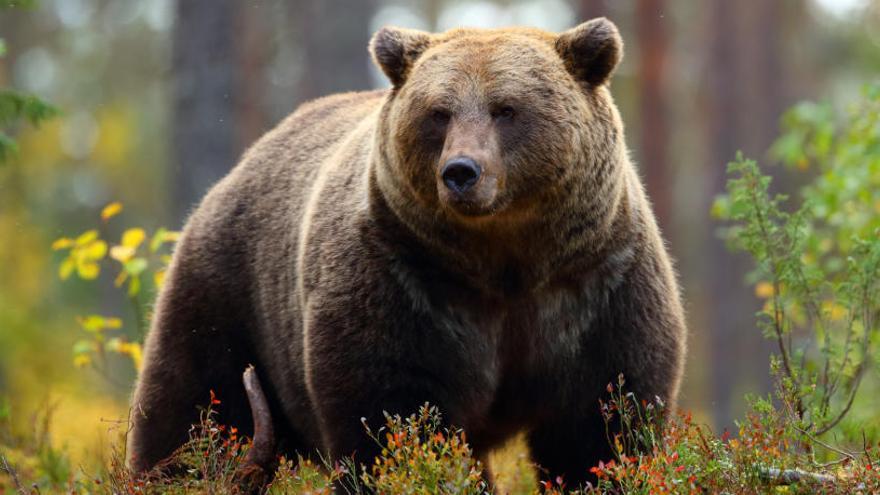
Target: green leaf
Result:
[[134, 286], [17, 4], [8, 147], [157, 239], [83, 347], [136, 266], [15, 106]]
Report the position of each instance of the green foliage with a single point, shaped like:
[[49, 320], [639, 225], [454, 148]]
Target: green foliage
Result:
[[12, 4], [657, 454], [418, 457], [31, 455], [817, 265], [16, 107]]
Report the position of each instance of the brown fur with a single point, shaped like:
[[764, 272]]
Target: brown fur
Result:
[[334, 259]]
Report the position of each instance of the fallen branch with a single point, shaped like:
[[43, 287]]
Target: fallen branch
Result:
[[774, 476]]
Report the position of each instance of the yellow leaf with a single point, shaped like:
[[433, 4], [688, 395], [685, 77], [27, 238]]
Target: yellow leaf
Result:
[[130, 349], [764, 290], [171, 236], [159, 278], [137, 357], [122, 253], [62, 243], [92, 323], [88, 270], [111, 210], [133, 237], [120, 279], [86, 237], [82, 360], [96, 250], [95, 323], [66, 268]]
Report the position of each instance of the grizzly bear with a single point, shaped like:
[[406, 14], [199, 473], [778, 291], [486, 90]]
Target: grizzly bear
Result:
[[475, 237]]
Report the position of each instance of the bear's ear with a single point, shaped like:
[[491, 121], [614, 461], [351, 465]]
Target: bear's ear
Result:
[[395, 50], [591, 51]]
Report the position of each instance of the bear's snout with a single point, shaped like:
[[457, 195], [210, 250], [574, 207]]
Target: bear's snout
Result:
[[460, 174]]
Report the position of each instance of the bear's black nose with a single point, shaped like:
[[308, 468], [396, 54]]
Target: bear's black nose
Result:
[[460, 174]]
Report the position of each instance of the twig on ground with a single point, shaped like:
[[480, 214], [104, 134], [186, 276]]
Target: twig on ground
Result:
[[5, 466]]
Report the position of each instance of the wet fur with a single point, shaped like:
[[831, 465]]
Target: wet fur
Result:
[[326, 259]]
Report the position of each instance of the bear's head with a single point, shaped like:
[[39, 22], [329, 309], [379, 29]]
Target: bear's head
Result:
[[483, 125]]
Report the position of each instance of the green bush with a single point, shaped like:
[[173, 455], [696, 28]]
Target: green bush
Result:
[[817, 265]]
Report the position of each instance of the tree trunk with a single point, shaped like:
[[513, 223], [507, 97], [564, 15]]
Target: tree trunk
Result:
[[334, 34], [203, 140], [746, 73], [654, 137], [588, 9], [729, 315]]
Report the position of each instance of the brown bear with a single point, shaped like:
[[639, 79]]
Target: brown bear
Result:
[[475, 237]]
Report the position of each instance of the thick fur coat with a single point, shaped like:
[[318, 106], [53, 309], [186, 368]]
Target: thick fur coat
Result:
[[337, 258]]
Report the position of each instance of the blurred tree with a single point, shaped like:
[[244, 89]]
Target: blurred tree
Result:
[[220, 58], [334, 36], [588, 9], [432, 10], [219, 61], [203, 139], [252, 59], [653, 42], [730, 311], [746, 74]]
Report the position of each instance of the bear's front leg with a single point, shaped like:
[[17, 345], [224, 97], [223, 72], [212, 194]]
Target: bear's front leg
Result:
[[567, 447], [639, 334], [355, 374], [364, 361]]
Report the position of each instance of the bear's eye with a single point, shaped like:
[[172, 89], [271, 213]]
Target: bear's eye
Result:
[[440, 116], [506, 112]]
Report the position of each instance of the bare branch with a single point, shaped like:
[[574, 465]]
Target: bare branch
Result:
[[832, 448]]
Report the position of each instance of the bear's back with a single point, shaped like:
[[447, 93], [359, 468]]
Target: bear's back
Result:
[[267, 190], [294, 151]]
